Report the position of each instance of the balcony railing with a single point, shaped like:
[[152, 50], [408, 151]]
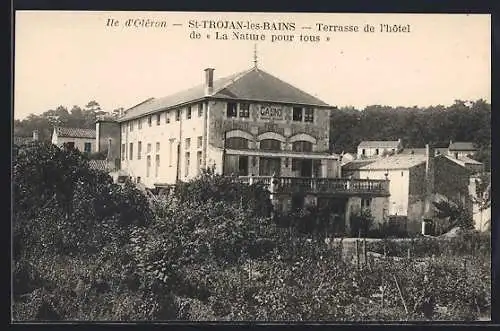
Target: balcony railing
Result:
[[321, 185]]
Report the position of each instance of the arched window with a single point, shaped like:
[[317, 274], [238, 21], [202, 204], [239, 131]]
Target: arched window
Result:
[[270, 145], [237, 143], [302, 146]]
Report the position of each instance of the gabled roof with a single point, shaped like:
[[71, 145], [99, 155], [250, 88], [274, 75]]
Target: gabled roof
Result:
[[254, 85], [75, 132], [379, 144], [463, 160], [462, 146], [395, 162]]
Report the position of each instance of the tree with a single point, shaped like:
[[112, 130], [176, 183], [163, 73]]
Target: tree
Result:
[[454, 214]]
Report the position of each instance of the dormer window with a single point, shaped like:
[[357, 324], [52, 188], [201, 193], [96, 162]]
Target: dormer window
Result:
[[309, 115], [244, 110], [297, 114], [231, 109]]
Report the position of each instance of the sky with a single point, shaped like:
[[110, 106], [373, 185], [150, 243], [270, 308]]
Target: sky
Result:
[[70, 58]]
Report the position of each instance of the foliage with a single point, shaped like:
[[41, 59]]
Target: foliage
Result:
[[79, 117], [467, 243], [61, 204], [361, 223], [452, 215], [461, 121], [211, 186], [188, 255]]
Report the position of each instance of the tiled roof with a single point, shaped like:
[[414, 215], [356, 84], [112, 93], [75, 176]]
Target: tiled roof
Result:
[[254, 84], [357, 164], [462, 146], [395, 162], [379, 144], [99, 165], [422, 151], [463, 160], [75, 132]]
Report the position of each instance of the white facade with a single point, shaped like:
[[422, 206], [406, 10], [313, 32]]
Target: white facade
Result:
[[399, 186], [82, 144], [160, 144]]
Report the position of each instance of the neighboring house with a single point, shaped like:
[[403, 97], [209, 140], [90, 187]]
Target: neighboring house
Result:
[[415, 180], [82, 139], [23, 140], [379, 148], [460, 149]]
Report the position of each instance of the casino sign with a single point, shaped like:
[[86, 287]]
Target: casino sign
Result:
[[268, 112]]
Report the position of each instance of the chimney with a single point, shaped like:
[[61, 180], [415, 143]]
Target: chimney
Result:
[[209, 81], [429, 181], [35, 135]]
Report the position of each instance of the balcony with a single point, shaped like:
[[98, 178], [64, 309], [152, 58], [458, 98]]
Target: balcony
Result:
[[326, 186]]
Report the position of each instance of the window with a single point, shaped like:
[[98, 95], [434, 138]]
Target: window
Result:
[[198, 161], [188, 113], [158, 119], [309, 115], [187, 164], [402, 174], [365, 203], [157, 147], [157, 164], [297, 114], [138, 179], [270, 145], [139, 126], [187, 143], [200, 142], [231, 109], [244, 110], [150, 120], [149, 148], [131, 151], [131, 126], [363, 151], [167, 118], [200, 109], [376, 151], [123, 152], [237, 143], [170, 150], [178, 115], [302, 146], [148, 165], [87, 148], [139, 150]]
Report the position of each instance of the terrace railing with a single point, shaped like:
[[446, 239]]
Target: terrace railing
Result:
[[320, 185]]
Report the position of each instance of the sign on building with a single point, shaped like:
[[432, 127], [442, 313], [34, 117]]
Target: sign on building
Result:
[[268, 112]]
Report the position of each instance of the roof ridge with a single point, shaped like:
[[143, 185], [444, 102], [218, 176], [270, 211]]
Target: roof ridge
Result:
[[292, 86]]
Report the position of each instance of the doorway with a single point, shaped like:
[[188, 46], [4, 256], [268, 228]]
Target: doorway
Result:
[[269, 166]]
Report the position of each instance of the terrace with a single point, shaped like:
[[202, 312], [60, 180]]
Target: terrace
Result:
[[327, 186]]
